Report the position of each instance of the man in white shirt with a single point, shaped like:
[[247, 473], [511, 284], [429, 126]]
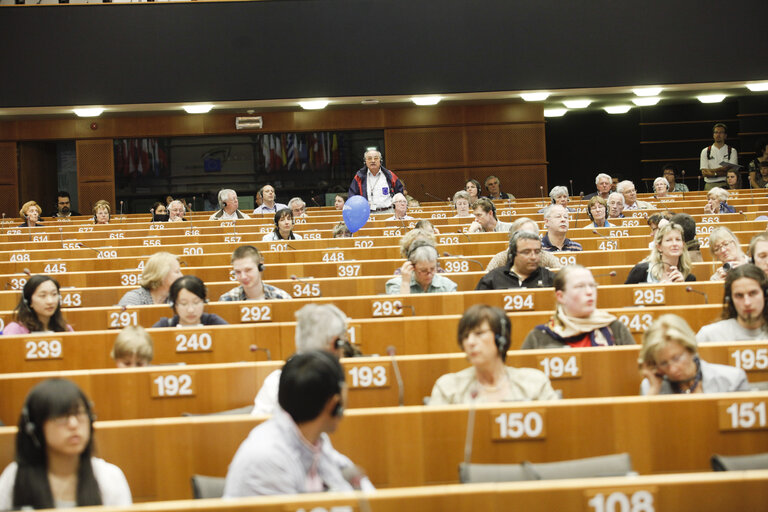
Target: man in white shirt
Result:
[[400, 204], [268, 204], [746, 287], [176, 211], [375, 183], [615, 205], [714, 155], [631, 202], [228, 204]]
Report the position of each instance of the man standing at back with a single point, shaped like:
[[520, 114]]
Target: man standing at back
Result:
[[375, 183], [712, 156]]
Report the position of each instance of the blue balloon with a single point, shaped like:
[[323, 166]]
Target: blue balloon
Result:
[[356, 212]]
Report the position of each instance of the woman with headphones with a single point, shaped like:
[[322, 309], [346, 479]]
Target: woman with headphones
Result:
[[597, 209], [483, 335], [283, 227], [102, 212], [54, 466], [39, 309], [188, 297], [30, 213], [419, 273]]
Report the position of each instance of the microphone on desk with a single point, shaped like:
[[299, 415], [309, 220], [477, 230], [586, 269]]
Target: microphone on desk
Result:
[[2, 223], [398, 377], [152, 211], [256, 348], [571, 187], [464, 467], [61, 237], [401, 307], [449, 255], [83, 246], [690, 289], [602, 235], [683, 180], [699, 182], [27, 272], [121, 212], [543, 201], [234, 226], [469, 238], [612, 273]]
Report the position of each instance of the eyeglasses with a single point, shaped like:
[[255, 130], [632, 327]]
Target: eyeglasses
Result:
[[723, 246], [81, 416], [673, 360]]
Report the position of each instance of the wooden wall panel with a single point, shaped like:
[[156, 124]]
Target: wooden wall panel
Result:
[[506, 144], [38, 174], [415, 148], [9, 179], [95, 173]]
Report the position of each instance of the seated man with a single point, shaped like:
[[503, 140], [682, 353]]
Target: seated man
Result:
[[400, 203], [291, 453], [64, 206], [523, 269], [746, 288], [603, 185], [268, 204], [485, 218], [298, 207], [248, 265], [176, 211], [615, 205], [556, 219], [493, 186], [631, 202], [419, 273], [228, 204]]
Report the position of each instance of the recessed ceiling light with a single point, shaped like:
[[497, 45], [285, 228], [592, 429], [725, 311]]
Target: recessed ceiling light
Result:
[[314, 104], [197, 109], [577, 103], [758, 87], [89, 112], [555, 112], [370, 101], [711, 98], [617, 109], [535, 96], [424, 101], [644, 102], [648, 91]]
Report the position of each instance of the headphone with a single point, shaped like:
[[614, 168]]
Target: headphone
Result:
[[513, 248], [260, 265], [27, 426], [338, 410], [417, 244], [503, 338]]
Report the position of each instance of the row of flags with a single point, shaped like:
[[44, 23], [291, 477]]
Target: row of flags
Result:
[[298, 151], [140, 157]]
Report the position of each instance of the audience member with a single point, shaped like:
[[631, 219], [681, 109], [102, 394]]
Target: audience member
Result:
[[133, 348], [259, 197], [615, 206], [756, 177], [485, 218], [461, 204], [375, 183], [603, 186], [39, 309], [102, 212], [54, 464], [523, 269], [472, 187], [419, 273], [712, 157], [291, 453], [318, 327], [689, 235], [668, 172], [661, 188], [228, 204], [577, 322], [400, 204], [338, 202], [493, 186], [426, 225], [64, 206], [412, 237], [745, 315], [559, 195], [248, 266], [725, 248], [159, 211], [340, 230], [176, 211], [501, 258], [556, 220], [656, 221], [161, 270], [758, 251], [484, 335], [187, 298], [298, 207], [716, 201], [269, 204], [631, 202], [670, 363], [597, 210], [30, 213], [669, 260], [733, 180], [283, 227]]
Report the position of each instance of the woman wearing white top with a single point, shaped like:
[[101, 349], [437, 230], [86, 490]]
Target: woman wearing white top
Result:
[[461, 203], [283, 227]]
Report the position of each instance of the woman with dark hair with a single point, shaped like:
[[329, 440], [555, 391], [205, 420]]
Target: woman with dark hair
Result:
[[473, 189], [484, 336], [283, 227], [732, 180], [188, 297], [39, 309], [54, 466]]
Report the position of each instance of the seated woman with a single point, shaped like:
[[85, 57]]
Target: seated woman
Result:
[[188, 297], [400, 205], [160, 212], [161, 270], [484, 336], [726, 249], [54, 464], [419, 273], [716, 201], [559, 195], [283, 227], [669, 363], [30, 213], [39, 309], [661, 188], [340, 230], [577, 322], [733, 180], [501, 259], [338, 202], [426, 226], [473, 189], [461, 203], [669, 261], [597, 210], [133, 348], [101, 212]]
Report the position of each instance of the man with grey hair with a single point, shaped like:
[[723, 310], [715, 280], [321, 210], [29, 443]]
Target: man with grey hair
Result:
[[631, 202], [615, 205], [400, 204], [556, 220], [375, 183], [268, 203], [603, 184], [228, 204], [419, 273], [176, 211], [298, 207], [318, 327], [493, 186], [523, 268]]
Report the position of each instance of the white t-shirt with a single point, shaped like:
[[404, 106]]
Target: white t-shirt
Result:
[[715, 157], [729, 330], [272, 237], [378, 191]]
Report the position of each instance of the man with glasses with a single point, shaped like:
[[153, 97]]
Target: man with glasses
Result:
[[631, 202], [744, 300], [493, 186], [376, 183], [725, 248], [523, 268], [64, 206]]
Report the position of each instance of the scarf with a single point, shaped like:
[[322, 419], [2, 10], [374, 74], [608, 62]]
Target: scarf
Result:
[[583, 332]]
